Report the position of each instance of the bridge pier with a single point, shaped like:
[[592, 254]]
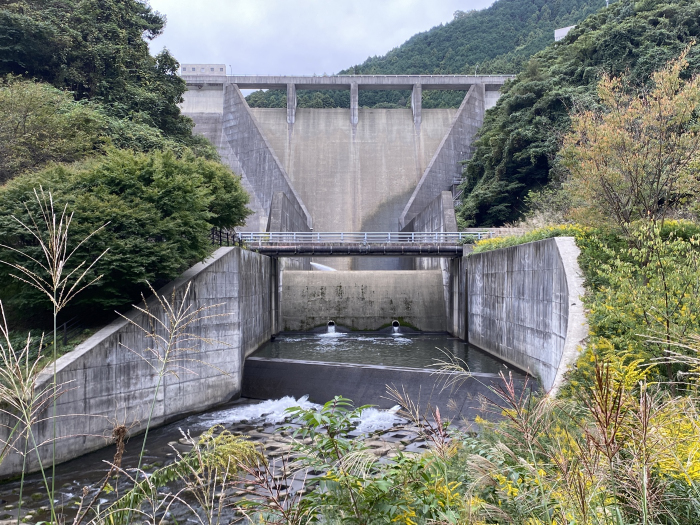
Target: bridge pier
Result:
[[291, 103], [416, 105], [354, 105]]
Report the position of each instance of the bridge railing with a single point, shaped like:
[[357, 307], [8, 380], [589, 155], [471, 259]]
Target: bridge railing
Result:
[[361, 237]]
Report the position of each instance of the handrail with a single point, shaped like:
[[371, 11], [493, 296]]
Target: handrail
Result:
[[361, 237]]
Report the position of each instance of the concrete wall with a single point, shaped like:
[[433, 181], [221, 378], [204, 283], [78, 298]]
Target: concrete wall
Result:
[[253, 155], [445, 167], [287, 216], [109, 382], [363, 300], [354, 178], [372, 170], [524, 305]]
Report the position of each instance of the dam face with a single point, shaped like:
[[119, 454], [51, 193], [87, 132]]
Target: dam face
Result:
[[354, 179], [342, 170]]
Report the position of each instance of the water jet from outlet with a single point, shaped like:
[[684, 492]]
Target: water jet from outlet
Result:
[[395, 327], [331, 327]]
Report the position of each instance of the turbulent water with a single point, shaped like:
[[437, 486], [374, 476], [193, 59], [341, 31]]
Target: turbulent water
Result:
[[394, 349], [257, 419]]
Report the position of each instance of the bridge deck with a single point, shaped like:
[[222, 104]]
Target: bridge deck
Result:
[[343, 82], [343, 244]]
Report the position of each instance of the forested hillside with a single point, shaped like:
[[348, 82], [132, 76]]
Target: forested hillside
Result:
[[494, 40], [98, 50], [520, 138], [87, 114]]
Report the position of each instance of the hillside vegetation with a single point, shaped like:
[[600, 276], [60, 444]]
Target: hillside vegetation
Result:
[[497, 40], [89, 116], [521, 136]]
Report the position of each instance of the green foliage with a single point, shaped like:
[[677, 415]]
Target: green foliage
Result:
[[216, 450], [98, 50], [621, 453], [356, 487], [497, 40], [635, 158], [158, 210], [649, 298], [643, 292], [520, 138], [40, 124]]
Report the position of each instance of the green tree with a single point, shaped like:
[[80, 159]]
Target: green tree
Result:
[[40, 124], [499, 40], [518, 143], [97, 49], [159, 209], [636, 157]]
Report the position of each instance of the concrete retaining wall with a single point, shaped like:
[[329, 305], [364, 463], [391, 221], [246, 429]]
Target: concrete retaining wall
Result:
[[525, 306], [106, 380], [363, 300], [445, 167]]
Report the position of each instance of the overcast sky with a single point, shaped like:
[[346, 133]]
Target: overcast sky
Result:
[[296, 36]]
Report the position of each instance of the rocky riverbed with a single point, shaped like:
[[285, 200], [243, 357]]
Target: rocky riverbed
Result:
[[385, 434]]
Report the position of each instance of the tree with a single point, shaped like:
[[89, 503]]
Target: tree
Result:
[[636, 157], [159, 209], [40, 124], [98, 50], [519, 141]]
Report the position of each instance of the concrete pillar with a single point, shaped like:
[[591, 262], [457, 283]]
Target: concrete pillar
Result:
[[291, 103], [417, 104], [354, 104]]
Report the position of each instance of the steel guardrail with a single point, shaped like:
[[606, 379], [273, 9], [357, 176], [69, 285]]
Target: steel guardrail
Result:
[[264, 238]]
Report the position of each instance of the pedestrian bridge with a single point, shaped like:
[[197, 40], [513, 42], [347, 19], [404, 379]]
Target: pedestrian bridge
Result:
[[343, 244]]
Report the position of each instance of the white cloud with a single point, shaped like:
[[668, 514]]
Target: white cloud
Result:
[[296, 36]]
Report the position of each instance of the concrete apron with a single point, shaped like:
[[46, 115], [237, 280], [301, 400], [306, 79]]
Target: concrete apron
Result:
[[270, 378]]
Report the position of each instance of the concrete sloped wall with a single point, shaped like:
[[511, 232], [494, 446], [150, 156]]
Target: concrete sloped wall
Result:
[[363, 300], [112, 384], [445, 167], [524, 305], [248, 152]]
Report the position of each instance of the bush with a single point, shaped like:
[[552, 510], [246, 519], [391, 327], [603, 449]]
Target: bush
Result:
[[40, 124], [158, 210]]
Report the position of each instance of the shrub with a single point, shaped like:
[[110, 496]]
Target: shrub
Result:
[[159, 210]]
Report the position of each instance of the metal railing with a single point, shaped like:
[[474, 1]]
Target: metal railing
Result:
[[260, 238]]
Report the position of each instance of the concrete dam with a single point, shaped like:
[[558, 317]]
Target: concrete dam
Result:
[[340, 170], [349, 171]]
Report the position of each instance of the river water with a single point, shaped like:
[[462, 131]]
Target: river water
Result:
[[411, 350], [259, 420]]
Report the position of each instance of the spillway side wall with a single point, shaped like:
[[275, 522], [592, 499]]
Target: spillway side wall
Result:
[[287, 216], [112, 376], [445, 168], [363, 300], [524, 305], [261, 166]]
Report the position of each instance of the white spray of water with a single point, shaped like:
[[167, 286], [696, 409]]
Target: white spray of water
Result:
[[373, 419], [322, 267], [331, 328], [396, 329], [271, 411]]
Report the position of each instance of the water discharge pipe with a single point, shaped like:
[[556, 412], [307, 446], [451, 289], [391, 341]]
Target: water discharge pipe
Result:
[[395, 326], [331, 327]]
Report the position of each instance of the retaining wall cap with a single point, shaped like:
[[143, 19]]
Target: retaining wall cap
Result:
[[577, 327]]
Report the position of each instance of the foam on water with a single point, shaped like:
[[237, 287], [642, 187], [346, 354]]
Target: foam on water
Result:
[[331, 335], [271, 411], [373, 419]]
